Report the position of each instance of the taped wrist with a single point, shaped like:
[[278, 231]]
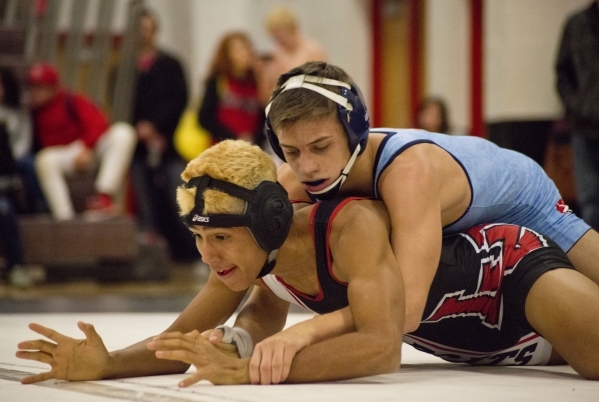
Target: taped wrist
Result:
[[238, 337]]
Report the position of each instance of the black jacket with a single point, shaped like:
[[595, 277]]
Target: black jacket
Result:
[[161, 97], [577, 70]]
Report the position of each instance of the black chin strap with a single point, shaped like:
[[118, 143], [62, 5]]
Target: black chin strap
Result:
[[269, 264]]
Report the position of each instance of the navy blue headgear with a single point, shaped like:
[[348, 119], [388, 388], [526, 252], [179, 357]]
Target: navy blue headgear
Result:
[[268, 215], [351, 109]]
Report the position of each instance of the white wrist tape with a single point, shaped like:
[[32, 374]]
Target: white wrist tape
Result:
[[238, 337]]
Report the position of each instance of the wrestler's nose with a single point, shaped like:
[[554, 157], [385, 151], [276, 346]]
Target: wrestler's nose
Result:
[[207, 251], [307, 165]]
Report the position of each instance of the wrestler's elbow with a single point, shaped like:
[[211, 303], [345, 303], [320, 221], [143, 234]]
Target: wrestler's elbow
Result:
[[415, 304], [387, 356], [588, 372], [412, 321]]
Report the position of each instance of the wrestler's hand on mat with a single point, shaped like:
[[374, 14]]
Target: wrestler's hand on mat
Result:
[[69, 359], [214, 336], [219, 365], [271, 360]]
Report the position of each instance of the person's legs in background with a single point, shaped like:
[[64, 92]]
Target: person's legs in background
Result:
[[147, 194], [52, 164], [34, 194], [114, 150], [13, 250], [157, 211], [586, 171]]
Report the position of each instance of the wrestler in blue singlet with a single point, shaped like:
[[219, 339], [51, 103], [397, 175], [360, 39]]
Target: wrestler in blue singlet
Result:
[[506, 186]]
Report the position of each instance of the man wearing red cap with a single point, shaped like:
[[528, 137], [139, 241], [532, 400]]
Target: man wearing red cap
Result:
[[74, 136]]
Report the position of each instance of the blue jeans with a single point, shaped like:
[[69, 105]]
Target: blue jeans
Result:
[[585, 153], [35, 197], [155, 196], [10, 237]]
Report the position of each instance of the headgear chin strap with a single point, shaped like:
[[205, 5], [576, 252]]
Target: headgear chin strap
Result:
[[268, 213], [332, 189]]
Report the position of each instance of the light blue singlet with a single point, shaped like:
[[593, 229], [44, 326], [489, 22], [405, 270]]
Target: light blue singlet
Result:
[[507, 186]]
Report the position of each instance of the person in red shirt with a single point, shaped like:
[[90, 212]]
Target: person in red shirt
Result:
[[74, 135], [231, 106]]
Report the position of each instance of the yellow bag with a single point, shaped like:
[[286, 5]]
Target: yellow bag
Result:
[[191, 139]]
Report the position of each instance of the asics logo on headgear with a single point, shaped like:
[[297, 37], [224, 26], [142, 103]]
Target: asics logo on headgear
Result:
[[198, 218]]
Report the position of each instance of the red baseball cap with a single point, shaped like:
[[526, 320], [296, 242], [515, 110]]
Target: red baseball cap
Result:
[[42, 74]]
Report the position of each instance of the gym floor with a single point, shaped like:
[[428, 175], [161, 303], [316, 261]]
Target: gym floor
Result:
[[82, 293], [124, 313]]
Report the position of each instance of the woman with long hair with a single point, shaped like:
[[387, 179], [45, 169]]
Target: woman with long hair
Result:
[[231, 107]]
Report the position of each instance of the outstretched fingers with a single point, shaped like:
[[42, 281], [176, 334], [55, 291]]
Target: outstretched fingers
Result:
[[47, 332], [37, 356], [37, 378], [37, 345], [90, 333], [192, 379]]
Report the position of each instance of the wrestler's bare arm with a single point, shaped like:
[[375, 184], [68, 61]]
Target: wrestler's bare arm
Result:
[[376, 302], [88, 359], [410, 189]]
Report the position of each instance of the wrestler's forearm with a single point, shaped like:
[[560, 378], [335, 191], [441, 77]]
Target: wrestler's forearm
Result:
[[137, 361], [325, 326], [262, 315], [348, 356]]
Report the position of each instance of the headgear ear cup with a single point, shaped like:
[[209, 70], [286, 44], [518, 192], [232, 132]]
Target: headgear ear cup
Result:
[[268, 216], [355, 121], [271, 214]]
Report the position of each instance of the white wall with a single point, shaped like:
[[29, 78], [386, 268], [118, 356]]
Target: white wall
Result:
[[192, 28], [521, 39], [448, 57]]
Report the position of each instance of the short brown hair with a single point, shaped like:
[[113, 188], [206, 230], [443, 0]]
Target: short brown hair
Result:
[[289, 107]]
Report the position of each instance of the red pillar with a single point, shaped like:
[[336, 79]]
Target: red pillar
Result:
[[376, 22], [415, 57], [476, 68]]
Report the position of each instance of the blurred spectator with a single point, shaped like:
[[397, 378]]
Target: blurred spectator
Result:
[[577, 70], [291, 48], [17, 122], [230, 107], [159, 101], [10, 240], [74, 136], [15, 143], [433, 116]]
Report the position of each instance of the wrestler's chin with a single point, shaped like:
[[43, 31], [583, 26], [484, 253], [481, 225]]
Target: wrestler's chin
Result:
[[234, 279]]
